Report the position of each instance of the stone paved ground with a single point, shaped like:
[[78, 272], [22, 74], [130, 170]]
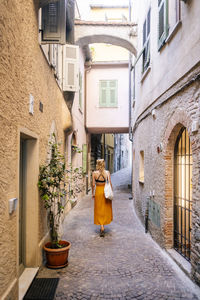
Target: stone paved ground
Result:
[[125, 264]]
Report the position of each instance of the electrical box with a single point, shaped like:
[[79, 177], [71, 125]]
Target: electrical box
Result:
[[12, 205], [195, 126]]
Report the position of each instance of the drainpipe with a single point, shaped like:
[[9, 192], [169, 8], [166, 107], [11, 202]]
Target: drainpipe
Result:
[[129, 70]]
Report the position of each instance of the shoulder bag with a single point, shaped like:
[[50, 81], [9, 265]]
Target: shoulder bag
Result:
[[108, 190]]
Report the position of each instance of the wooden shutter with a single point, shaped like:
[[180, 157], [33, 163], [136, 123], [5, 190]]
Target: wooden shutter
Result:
[[59, 65], [53, 55], [162, 22], [108, 93], [70, 68], [54, 22], [148, 22], [144, 33], [84, 158], [146, 41], [45, 2], [112, 93], [103, 93]]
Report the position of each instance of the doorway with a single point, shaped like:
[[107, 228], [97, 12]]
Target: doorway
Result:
[[183, 194], [22, 203], [28, 201]]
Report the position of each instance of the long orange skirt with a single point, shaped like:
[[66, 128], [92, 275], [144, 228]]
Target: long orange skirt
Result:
[[102, 207]]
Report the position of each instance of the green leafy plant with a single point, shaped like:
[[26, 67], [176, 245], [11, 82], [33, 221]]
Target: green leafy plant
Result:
[[57, 185]]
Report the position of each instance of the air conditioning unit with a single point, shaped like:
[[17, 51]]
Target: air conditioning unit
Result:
[[70, 68]]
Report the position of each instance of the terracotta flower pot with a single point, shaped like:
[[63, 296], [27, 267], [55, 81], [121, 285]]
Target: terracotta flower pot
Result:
[[57, 258]]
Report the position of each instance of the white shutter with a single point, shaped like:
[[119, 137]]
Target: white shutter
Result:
[[53, 55], [70, 68], [59, 65], [54, 23]]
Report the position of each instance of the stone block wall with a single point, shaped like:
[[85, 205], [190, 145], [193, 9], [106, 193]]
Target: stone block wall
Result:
[[156, 136]]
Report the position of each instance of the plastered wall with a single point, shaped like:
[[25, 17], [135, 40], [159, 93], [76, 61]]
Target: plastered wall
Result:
[[24, 71]]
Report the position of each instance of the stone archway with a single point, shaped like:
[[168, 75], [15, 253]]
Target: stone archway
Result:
[[123, 34], [178, 120], [117, 41]]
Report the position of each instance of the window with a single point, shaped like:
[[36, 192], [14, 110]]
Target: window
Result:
[[178, 11], [146, 41], [70, 68], [141, 174], [108, 93], [54, 22], [183, 194], [56, 19], [174, 18], [162, 22]]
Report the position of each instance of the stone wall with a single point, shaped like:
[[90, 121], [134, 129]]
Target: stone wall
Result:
[[23, 71], [156, 136]]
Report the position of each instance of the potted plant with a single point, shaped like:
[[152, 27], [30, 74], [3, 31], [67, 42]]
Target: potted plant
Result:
[[52, 183]]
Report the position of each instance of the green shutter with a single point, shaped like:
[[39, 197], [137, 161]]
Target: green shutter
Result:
[[113, 93], [162, 22], [108, 93], [84, 158], [102, 93], [146, 41]]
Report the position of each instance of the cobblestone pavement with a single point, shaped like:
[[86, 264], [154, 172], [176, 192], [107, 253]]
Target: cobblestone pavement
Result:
[[125, 264]]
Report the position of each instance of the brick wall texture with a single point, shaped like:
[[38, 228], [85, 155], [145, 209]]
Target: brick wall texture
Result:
[[177, 107]]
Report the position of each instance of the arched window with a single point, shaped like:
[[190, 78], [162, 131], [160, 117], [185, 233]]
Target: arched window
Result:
[[183, 194]]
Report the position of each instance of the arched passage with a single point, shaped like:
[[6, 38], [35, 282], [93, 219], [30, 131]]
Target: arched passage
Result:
[[103, 38], [178, 120]]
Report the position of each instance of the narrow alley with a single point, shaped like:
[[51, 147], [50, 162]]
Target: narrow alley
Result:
[[125, 264]]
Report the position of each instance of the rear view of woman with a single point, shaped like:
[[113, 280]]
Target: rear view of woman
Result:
[[102, 206]]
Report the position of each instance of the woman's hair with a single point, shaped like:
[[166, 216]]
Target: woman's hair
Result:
[[100, 165]]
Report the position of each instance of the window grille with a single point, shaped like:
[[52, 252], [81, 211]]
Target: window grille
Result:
[[183, 194]]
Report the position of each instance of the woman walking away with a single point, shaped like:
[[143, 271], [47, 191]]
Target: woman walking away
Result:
[[102, 206]]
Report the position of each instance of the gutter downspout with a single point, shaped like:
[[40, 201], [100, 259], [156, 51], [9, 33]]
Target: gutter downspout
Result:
[[129, 70]]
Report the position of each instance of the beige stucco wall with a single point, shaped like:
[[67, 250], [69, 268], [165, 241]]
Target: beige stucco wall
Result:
[[176, 58], [114, 14], [108, 52], [24, 71], [100, 118]]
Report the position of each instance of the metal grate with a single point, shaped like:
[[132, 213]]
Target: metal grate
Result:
[[42, 289], [183, 194]]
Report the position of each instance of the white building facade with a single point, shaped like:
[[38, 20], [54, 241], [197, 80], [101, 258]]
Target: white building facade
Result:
[[166, 125]]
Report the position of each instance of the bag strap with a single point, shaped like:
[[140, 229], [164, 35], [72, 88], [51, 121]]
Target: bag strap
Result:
[[107, 177]]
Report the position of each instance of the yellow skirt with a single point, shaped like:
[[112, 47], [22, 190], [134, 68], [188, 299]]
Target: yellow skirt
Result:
[[102, 207]]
